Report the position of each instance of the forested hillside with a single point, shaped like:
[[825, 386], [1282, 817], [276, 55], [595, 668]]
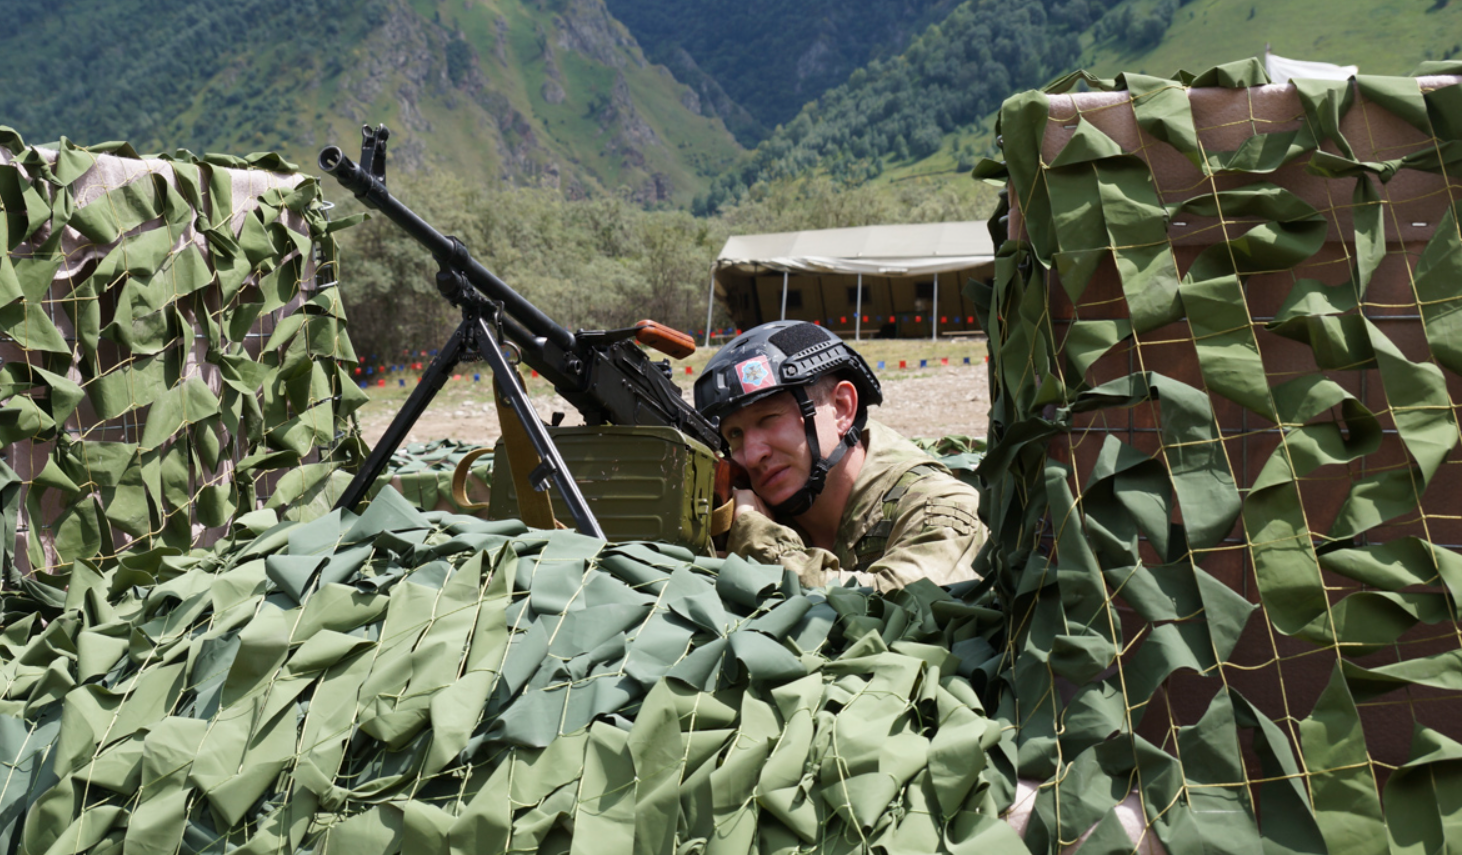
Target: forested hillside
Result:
[[560, 94], [538, 94], [1379, 36], [900, 109], [773, 56], [173, 73], [931, 108]]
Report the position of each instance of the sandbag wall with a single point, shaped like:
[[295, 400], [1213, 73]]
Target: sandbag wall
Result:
[[172, 352], [1224, 491]]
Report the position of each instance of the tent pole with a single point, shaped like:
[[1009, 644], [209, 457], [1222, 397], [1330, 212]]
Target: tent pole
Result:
[[822, 298], [858, 312], [784, 295], [710, 306], [934, 318]]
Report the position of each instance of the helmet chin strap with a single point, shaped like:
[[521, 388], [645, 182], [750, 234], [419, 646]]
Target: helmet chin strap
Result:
[[801, 501]]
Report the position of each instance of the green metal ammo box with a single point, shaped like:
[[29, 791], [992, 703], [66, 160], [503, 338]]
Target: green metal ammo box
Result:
[[642, 483]]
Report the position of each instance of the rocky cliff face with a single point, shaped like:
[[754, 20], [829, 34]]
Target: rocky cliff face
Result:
[[533, 91], [400, 61], [586, 27], [705, 96], [432, 80]]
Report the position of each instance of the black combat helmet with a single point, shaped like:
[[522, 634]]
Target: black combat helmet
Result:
[[788, 356]]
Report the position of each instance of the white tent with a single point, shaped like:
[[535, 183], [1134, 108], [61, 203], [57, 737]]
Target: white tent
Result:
[[902, 263], [1282, 69]]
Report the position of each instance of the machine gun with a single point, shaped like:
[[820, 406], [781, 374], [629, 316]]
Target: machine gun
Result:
[[602, 373]]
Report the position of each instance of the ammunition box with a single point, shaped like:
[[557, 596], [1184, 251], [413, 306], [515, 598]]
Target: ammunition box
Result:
[[642, 483]]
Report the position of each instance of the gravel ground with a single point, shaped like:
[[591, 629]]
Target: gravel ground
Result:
[[932, 402]]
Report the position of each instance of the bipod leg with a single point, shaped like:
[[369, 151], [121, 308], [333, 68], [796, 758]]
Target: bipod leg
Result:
[[432, 380], [553, 467]]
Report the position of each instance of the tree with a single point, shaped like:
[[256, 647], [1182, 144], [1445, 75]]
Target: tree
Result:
[[672, 268], [925, 141]]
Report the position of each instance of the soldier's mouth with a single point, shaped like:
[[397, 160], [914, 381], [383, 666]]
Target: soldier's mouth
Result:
[[771, 477]]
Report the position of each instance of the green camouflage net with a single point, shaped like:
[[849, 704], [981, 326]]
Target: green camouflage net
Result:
[[1218, 614], [408, 681], [962, 454], [172, 352], [422, 472], [1223, 482]]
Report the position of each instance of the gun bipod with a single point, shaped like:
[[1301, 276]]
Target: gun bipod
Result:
[[474, 334]]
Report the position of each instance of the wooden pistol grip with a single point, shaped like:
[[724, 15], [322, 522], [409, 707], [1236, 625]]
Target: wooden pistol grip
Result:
[[672, 343]]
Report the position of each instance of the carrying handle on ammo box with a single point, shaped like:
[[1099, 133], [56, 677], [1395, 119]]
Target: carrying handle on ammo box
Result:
[[459, 481]]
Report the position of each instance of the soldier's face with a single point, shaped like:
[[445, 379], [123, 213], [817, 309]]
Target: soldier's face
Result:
[[768, 440]]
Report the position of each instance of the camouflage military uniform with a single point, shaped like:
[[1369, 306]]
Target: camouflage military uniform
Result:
[[907, 518]]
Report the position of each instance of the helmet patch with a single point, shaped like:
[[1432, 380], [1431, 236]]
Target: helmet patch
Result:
[[755, 374]]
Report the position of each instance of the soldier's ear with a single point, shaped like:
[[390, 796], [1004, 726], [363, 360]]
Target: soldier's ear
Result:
[[845, 404]]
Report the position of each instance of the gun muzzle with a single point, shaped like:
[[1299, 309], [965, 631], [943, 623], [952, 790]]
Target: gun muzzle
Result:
[[366, 187], [331, 157], [449, 252]]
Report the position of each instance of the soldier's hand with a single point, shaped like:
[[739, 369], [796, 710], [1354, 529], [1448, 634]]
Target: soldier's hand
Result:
[[746, 500]]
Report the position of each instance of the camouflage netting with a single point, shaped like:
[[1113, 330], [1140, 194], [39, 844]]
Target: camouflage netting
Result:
[[172, 352], [1223, 479], [422, 472], [402, 680], [425, 682], [1222, 489]]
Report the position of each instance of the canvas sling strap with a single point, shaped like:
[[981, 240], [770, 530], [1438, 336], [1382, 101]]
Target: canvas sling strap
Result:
[[459, 480], [721, 518], [535, 506]]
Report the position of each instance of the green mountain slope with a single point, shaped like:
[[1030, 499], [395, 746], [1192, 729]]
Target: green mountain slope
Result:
[[773, 56], [558, 93], [906, 109], [542, 92], [1380, 36], [103, 69], [929, 111]]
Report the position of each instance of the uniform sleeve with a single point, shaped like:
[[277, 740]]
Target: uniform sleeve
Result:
[[759, 538], [936, 534]]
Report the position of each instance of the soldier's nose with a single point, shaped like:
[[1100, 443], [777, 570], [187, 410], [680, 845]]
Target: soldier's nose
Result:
[[753, 448]]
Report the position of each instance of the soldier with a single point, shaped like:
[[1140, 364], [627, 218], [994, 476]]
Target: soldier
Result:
[[875, 509]]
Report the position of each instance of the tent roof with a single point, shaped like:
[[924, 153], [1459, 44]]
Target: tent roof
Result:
[[899, 250]]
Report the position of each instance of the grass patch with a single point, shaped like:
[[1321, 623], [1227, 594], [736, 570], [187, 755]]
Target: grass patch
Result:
[[1387, 37]]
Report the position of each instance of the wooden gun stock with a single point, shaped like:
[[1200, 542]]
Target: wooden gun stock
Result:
[[729, 478]]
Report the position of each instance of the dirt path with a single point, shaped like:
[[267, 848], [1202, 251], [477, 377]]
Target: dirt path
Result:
[[931, 402]]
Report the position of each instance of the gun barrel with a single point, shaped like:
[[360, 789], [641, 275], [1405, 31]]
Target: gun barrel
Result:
[[608, 381], [446, 250]]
